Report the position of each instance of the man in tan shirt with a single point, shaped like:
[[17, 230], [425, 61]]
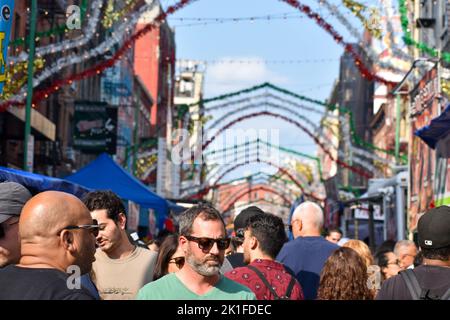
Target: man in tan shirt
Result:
[[121, 268]]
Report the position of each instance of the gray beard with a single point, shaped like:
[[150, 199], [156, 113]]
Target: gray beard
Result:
[[201, 267]]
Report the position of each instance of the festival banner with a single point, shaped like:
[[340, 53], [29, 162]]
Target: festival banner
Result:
[[6, 16]]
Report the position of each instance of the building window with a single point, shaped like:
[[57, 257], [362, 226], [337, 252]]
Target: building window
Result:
[[348, 94], [16, 29], [184, 88]]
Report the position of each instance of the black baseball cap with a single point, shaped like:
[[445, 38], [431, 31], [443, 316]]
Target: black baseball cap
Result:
[[13, 197], [434, 228], [241, 221]]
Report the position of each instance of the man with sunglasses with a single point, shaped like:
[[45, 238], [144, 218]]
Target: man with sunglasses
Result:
[[57, 238], [203, 240], [121, 267], [13, 197]]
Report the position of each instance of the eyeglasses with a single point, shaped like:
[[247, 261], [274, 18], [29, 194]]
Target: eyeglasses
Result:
[[94, 228], [290, 226], [206, 244], [4, 227], [396, 262], [179, 262]]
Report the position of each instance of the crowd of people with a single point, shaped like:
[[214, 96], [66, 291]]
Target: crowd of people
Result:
[[56, 246]]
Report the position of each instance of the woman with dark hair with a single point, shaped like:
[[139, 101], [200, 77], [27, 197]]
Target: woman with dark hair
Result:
[[388, 263], [344, 277], [170, 257]]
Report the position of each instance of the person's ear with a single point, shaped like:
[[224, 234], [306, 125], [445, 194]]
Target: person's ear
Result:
[[122, 220], [253, 243], [300, 225], [183, 243], [67, 239]]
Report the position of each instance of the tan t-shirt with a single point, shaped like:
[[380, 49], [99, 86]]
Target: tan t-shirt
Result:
[[121, 279]]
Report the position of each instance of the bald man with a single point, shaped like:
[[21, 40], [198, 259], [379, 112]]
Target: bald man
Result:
[[57, 237], [307, 253]]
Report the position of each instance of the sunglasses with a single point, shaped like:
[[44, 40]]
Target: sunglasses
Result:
[[179, 262], [240, 233], [93, 228], [290, 225], [4, 227], [206, 244]]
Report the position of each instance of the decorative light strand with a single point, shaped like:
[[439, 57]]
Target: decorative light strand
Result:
[[112, 15], [408, 39], [366, 73], [71, 43], [99, 50], [253, 102], [60, 29], [357, 9], [369, 51], [97, 69]]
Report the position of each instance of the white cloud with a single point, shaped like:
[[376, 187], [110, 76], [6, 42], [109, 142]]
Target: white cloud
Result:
[[222, 78]]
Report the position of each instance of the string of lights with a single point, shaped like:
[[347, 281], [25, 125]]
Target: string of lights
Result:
[[194, 22], [258, 61]]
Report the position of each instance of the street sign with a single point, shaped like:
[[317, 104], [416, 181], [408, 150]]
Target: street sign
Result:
[[362, 212], [95, 127]]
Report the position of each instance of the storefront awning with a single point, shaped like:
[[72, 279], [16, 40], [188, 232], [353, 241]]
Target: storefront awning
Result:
[[38, 122], [104, 174], [36, 183], [437, 134]]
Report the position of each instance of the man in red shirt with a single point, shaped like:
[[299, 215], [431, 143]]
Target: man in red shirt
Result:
[[268, 279]]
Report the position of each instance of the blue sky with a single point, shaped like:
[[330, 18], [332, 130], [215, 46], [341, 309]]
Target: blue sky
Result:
[[290, 39]]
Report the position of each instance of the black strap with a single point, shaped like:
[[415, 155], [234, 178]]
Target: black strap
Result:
[[416, 291], [264, 280], [290, 287], [269, 286], [446, 295], [411, 282]]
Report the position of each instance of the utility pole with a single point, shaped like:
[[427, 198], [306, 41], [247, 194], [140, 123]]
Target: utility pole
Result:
[[135, 135], [397, 128], [31, 40]]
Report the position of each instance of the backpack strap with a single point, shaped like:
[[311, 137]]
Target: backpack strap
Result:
[[413, 285], [290, 287], [446, 295], [264, 280]]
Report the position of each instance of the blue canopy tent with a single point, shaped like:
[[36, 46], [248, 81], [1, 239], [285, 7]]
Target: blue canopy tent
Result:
[[38, 183], [437, 132], [105, 174]]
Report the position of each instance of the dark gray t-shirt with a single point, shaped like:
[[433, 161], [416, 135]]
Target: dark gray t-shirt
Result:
[[19, 283], [437, 279]]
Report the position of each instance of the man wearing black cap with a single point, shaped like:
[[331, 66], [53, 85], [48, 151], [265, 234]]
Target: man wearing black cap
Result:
[[12, 199], [236, 259], [431, 280]]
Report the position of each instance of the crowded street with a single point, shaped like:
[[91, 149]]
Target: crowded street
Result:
[[225, 150]]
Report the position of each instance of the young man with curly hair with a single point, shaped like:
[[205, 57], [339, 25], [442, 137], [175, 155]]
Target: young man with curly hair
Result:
[[268, 279]]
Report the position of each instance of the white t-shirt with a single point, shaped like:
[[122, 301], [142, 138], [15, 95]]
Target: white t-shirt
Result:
[[121, 279]]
